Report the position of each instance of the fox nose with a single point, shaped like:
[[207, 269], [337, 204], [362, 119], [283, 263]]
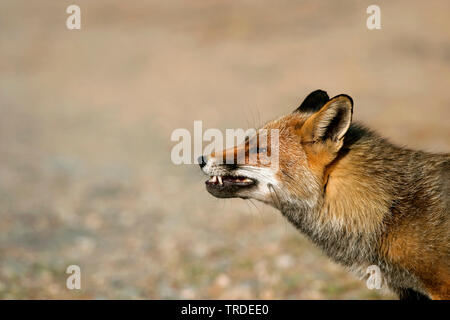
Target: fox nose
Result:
[[201, 161]]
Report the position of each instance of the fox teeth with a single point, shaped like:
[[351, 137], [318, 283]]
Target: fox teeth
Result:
[[220, 179]]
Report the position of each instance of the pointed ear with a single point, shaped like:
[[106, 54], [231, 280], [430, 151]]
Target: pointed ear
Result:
[[331, 122], [313, 102]]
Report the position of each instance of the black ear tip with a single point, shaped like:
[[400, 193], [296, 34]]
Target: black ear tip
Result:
[[314, 101], [319, 93]]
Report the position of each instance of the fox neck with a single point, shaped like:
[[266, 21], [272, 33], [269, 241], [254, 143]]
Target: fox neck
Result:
[[346, 218], [332, 233]]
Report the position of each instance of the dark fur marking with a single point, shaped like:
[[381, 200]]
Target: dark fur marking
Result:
[[313, 102]]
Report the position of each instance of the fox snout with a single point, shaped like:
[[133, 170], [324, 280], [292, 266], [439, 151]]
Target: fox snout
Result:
[[225, 180]]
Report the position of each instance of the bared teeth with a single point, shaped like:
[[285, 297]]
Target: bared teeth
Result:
[[219, 180]]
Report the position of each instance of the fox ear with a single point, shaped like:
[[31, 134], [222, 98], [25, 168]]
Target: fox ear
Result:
[[313, 102], [331, 122]]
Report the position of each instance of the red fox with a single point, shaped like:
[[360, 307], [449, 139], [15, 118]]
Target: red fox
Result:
[[361, 199]]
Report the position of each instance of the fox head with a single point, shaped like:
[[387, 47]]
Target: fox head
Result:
[[308, 140]]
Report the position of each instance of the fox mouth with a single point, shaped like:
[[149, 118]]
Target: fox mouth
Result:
[[227, 186]]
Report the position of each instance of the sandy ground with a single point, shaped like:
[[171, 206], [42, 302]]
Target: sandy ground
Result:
[[86, 118]]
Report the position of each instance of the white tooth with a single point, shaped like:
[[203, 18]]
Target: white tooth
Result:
[[214, 179], [220, 179]]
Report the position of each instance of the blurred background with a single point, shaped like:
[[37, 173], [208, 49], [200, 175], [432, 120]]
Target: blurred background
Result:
[[86, 117]]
